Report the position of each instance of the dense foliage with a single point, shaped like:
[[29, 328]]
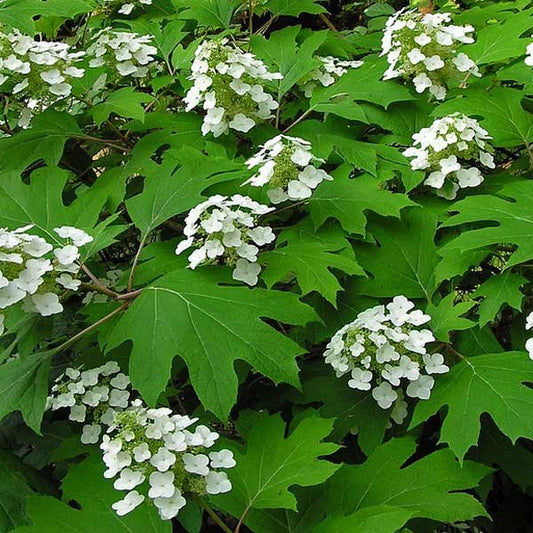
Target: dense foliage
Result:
[[266, 265]]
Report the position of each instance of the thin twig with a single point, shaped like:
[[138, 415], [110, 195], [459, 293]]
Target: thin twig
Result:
[[213, 515], [90, 328], [328, 22], [299, 119], [129, 295], [99, 286], [109, 142]]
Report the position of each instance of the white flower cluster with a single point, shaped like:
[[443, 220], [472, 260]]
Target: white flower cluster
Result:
[[37, 72], [231, 86], [423, 48], [126, 8], [529, 55], [150, 452], [33, 270], [383, 350], [326, 74], [224, 231], [129, 53], [286, 165], [93, 396], [449, 150], [529, 342]]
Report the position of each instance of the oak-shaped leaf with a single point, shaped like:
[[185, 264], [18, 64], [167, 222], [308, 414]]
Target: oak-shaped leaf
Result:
[[270, 463], [85, 484], [24, 387], [210, 326], [348, 201], [447, 316], [311, 264], [428, 488], [403, 259], [175, 185], [495, 384], [503, 218], [498, 291]]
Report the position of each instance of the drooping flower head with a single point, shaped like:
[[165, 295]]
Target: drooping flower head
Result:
[[287, 167], [328, 72], [36, 272], [451, 151], [37, 73], [423, 48], [384, 351], [224, 231], [230, 85], [150, 453], [128, 53]]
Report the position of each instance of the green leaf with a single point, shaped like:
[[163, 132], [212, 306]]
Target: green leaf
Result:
[[40, 202], [13, 494], [187, 313], [270, 464], [506, 218], [293, 7], [446, 317], [492, 384], [498, 291], [311, 264], [19, 13], [283, 52], [502, 112], [499, 42], [360, 84], [86, 485], [404, 258], [175, 186], [211, 13], [347, 200], [45, 141], [351, 409], [380, 518], [125, 102], [24, 387], [428, 488]]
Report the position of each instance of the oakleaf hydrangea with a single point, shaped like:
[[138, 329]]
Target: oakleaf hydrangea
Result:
[[287, 166], [36, 272], [384, 351], [423, 48], [128, 53], [327, 73], [151, 454], [450, 151], [230, 85], [36, 73], [225, 231]]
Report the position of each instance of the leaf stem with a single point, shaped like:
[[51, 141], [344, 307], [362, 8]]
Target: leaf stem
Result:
[[213, 515], [131, 278], [299, 119], [328, 22], [98, 285], [90, 328]]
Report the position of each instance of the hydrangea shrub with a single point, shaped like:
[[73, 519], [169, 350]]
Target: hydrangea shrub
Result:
[[266, 266]]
